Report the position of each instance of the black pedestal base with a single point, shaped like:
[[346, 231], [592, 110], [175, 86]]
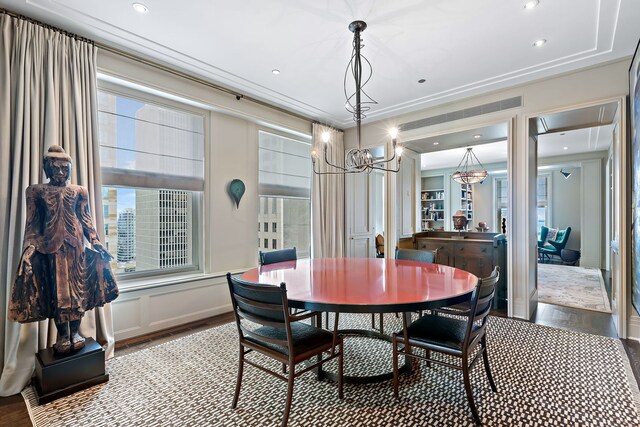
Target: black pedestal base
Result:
[[366, 379], [59, 375]]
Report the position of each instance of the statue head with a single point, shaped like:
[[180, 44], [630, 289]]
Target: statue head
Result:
[[460, 221], [57, 165]]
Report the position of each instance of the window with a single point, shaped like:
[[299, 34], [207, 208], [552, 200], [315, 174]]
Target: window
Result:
[[502, 202], [543, 208], [266, 243], [285, 185], [266, 227], [153, 177]]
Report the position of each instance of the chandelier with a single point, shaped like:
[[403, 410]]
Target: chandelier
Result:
[[358, 103], [470, 170]]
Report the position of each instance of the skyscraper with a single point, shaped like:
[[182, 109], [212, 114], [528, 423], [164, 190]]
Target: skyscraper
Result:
[[110, 209], [126, 235], [164, 220]]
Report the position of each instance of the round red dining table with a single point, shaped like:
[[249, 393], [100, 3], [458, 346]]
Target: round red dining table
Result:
[[366, 285]]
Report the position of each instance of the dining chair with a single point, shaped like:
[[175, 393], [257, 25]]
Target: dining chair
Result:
[[280, 255], [283, 255], [460, 309], [430, 257], [451, 336], [266, 326]]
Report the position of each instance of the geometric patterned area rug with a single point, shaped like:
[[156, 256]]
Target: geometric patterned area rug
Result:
[[545, 377], [576, 287]]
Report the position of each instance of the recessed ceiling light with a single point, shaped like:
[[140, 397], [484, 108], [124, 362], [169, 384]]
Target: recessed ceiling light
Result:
[[421, 81], [478, 136], [565, 148], [539, 43], [140, 8], [436, 143], [531, 4], [275, 71]]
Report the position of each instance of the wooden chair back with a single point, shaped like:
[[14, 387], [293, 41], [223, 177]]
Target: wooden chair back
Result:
[[262, 305], [417, 255], [281, 255], [480, 306]]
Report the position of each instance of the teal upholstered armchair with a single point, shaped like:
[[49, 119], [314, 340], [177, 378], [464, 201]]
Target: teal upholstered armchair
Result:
[[547, 247]]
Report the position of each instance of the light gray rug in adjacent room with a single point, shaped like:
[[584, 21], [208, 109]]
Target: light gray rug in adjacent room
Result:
[[576, 287], [545, 377]]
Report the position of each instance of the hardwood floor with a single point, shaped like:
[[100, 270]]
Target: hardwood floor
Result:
[[591, 322], [14, 411]]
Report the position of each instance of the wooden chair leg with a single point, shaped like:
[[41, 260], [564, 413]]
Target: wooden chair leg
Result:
[[427, 354], [287, 407], [236, 395], [340, 368], [487, 368], [381, 323], [319, 374], [395, 366], [467, 388], [284, 368]]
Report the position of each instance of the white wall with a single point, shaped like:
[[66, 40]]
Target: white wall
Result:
[[229, 235], [591, 85]]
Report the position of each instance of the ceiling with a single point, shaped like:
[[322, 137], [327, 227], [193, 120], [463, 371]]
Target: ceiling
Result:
[[567, 143], [579, 118], [460, 48]]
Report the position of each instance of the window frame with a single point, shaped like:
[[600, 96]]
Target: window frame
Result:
[[549, 205], [129, 279], [271, 209]]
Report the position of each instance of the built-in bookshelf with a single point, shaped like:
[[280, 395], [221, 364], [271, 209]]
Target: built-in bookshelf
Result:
[[432, 201], [466, 201]]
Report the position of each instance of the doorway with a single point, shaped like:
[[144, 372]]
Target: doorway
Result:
[[574, 216], [442, 200]]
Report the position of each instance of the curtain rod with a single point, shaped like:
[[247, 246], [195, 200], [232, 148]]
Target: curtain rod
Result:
[[238, 96], [47, 26]]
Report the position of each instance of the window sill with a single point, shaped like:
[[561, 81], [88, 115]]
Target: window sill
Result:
[[158, 281]]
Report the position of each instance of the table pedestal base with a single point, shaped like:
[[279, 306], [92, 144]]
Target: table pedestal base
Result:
[[366, 379]]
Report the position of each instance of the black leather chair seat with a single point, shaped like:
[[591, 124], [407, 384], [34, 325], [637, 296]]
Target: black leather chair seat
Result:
[[305, 337], [438, 330]]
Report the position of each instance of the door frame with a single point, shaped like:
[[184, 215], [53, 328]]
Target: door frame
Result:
[[620, 318], [511, 122]]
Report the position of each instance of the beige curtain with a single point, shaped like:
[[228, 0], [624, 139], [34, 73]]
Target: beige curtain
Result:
[[47, 96], [327, 197]]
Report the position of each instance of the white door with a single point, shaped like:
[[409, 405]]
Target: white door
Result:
[[360, 215], [618, 241]]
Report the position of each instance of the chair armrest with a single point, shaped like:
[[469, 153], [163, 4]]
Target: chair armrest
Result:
[[556, 244], [306, 314], [540, 243]]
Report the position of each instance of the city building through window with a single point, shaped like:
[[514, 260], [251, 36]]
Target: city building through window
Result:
[[285, 186], [153, 178]]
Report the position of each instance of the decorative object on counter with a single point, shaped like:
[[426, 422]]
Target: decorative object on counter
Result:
[[470, 170], [236, 191], [460, 221], [59, 277], [504, 226], [358, 104], [482, 226]]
